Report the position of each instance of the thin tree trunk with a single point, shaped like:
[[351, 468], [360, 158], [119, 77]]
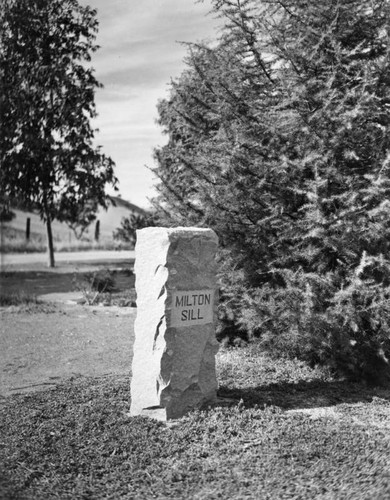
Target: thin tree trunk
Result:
[[50, 246]]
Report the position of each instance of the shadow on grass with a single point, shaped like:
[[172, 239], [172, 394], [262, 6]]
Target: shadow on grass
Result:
[[305, 394]]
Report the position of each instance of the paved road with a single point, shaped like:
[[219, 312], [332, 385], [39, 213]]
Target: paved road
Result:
[[34, 260]]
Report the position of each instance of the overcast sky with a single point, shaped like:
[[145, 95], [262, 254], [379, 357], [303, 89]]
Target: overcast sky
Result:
[[138, 56]]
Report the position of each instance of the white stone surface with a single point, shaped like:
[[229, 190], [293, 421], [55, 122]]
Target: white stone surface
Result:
[[173, 368]]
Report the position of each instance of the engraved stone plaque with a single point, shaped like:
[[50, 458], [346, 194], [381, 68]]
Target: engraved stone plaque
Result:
[[192, 307]]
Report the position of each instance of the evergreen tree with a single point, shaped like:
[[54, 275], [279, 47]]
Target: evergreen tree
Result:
[[279, 140], [127, 232], [46, 104]]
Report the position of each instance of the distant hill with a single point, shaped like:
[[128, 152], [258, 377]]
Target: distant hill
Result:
[[120, 202], [110, 220]]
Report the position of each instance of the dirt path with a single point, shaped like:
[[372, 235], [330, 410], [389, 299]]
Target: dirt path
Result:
[[39, 349]]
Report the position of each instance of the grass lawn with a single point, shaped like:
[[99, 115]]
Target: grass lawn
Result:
[[294, 433]]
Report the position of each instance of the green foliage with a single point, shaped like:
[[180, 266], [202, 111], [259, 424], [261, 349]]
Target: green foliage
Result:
[[103, 287], [79, 217], [25, 303], [17, 299], [47, 154], [129, 226], [6, 215], [95, 285], [278, 139], [101, 281]]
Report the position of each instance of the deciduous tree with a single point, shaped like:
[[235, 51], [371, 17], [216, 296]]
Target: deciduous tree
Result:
[[46, 106]]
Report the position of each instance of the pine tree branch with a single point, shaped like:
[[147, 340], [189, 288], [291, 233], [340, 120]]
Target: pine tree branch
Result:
[[185, 202], [250, 38]]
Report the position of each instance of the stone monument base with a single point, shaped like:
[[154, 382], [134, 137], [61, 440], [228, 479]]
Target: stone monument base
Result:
[[160, 413], [173, 367]]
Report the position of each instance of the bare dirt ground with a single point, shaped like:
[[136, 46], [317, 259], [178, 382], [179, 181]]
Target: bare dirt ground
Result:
[[37, 350], [42, 345]]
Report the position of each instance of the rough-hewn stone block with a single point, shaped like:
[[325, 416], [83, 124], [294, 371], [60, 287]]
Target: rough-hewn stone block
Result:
[[173, 368]]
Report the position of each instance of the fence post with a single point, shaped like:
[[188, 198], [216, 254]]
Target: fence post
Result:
[[97, 230], [28, 226]]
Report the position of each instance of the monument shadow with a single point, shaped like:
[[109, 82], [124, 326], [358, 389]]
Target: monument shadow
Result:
[[304, 394]]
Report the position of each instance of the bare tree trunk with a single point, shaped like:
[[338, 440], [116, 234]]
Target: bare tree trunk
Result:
[[50, 246]]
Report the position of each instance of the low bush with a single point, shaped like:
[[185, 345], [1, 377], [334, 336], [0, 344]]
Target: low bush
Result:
[[17, 299], [126, 233], [6, 215], [321, 319], [96, 286], [20, 303], [101, 281]]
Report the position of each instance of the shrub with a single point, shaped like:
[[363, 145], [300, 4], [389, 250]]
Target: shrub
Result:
[[127, 232], [279, 141], [17, 299], [314, 318], [96, 284], [6, 215]]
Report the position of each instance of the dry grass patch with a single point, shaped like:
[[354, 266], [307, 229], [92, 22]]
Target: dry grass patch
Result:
[[77, 441]]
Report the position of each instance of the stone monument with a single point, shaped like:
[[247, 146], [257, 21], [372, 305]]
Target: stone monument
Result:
[[173, 368]]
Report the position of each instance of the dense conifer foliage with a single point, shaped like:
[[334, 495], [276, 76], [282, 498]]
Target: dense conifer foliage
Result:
[[278, 139]]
